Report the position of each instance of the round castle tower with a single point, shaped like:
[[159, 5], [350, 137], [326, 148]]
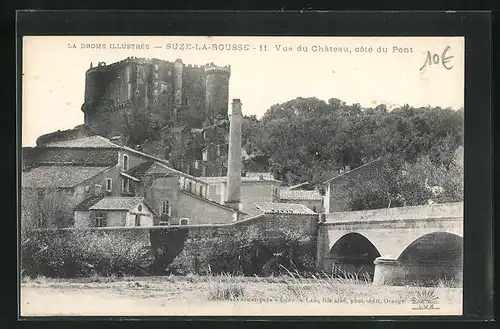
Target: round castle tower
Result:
[[177, 81], [217, 89]]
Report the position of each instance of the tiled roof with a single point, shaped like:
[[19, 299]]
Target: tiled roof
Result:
[[223, 179], [58, 176], [294, 187], [117, 203], [85, 142], [210, 201], [157, 168], [87, 203], [300, 195], [283, 208], [256, 175], [150, 168], [141, 168], [97, 141]]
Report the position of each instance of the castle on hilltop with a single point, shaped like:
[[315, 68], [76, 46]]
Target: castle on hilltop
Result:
[[167, 109], [179, 93]]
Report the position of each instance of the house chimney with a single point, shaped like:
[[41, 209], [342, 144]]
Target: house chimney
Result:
[[234, 165]]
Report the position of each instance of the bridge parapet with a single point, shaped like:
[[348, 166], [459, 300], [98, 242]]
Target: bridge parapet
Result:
[[443, 210]]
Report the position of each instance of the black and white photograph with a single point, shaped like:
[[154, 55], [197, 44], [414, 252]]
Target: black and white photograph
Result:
[[242, 176]]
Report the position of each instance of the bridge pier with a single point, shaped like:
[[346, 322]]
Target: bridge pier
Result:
[[396, 272]]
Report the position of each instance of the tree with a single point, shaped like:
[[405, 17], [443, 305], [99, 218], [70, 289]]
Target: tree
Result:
[[43, 208]]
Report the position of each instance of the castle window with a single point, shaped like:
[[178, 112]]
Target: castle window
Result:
[[139, 208], [165, 208], [125, 162], [100, 220], [109, 184], [186, 101], [184, 221]]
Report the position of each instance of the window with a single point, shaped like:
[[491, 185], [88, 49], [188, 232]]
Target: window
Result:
[[186, 102], [205, 155], [139, 208], [87, 189], [97, 189], [125, 185], [184, 221], [275, 194], [137, 220], [109, 184], [190, 187], [125, 162], [165, 208], [100, 220], [201, 190]]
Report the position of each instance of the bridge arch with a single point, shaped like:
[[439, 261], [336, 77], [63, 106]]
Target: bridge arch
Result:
[[352, 254], [434, 256]]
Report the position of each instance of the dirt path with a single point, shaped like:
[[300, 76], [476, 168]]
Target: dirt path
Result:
[[190, 300]]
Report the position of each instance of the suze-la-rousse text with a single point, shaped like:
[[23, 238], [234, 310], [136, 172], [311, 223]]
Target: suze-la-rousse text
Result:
[[211, 46]]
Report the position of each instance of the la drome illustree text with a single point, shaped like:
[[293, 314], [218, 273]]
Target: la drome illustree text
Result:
[[241, 47]]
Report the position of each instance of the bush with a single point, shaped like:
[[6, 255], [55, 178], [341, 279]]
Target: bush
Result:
[[83, 253]]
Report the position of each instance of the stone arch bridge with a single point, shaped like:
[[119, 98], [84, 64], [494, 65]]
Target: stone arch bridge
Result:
[[394, 245]]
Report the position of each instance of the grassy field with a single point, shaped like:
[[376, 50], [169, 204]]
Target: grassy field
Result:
[[231, 295]]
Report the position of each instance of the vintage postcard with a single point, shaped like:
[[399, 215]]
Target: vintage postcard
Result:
[[258, 176]]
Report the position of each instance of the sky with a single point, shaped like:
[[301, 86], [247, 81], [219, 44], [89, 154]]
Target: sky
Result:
[[264, 71]]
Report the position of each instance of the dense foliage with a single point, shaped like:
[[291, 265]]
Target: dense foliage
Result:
[[307, 139], [83, 253]]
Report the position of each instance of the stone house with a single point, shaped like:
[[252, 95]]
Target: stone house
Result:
[[73, 171], [50, 192], [312, 199], [254, 188], [113, 212], [335, 198], [178, 198]]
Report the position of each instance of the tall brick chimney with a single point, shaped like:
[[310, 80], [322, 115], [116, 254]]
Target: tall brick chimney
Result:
[[234, 165]]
